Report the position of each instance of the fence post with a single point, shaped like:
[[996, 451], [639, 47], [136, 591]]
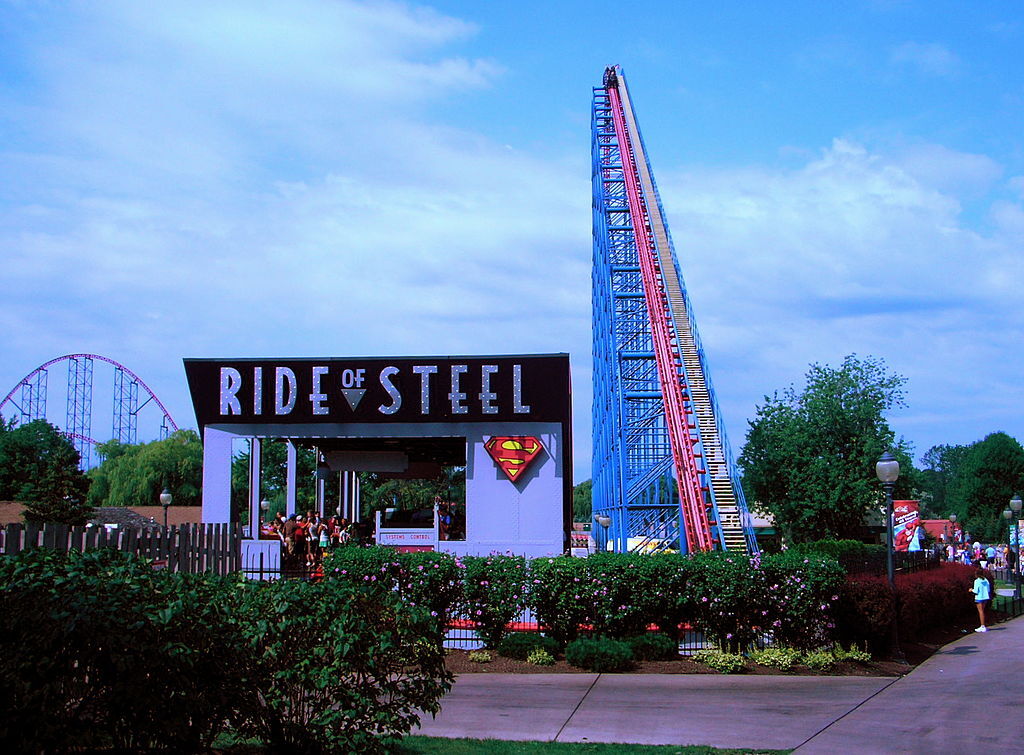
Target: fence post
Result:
[[12, 539]]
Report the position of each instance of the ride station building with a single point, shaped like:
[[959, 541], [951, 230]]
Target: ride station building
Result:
[[507, 419]]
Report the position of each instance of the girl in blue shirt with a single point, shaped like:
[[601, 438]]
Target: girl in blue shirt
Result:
[[982, 593]]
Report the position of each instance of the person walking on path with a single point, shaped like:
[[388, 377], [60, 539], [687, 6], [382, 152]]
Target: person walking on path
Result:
[[982, 592]]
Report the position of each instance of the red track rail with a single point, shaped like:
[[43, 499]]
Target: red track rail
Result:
[[691, 497]]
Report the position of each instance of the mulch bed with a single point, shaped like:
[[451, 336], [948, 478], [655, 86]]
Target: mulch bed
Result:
[[916, 652]]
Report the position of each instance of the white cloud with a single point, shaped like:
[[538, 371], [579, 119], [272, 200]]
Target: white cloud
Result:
[[929, 58], [853, 253]]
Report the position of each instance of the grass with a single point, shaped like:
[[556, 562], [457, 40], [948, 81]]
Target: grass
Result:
[[416, 745]]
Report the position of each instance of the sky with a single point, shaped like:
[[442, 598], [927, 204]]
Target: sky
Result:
[[334, 178]]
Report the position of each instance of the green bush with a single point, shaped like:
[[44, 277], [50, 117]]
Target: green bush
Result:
[[429, 579], [819, 660], [628, 592], [494, 593], [540, 657], [102, 651], [653, 647], [781, 658], [521, 644], [720, 660], [600, 654], [836, 548], [727, 593], [802, 591], [559, 595], [854, 655], [106, 653], [480, 656], [336, 666]]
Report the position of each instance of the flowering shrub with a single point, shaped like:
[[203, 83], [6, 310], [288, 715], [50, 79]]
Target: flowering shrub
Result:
[[480, 656], [561, 595], [426, 579], [494, 593], [727, 593], [630, 591], [801, 593]]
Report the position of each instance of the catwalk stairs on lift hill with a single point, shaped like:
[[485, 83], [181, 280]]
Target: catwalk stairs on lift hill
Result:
[[716, 464]]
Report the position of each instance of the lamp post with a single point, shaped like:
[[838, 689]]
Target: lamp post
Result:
[[1014, 544], [887, 469], [165, 501]]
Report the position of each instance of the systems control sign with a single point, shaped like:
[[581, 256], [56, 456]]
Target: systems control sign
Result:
[[405, 389]]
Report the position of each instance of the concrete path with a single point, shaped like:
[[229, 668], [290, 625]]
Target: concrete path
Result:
[[972, 690]]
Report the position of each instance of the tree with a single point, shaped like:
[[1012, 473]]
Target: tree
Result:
[[809, 459], [990, 474], [581, 501], [274, 479], [941, 469], [134, 475], [39, 467]]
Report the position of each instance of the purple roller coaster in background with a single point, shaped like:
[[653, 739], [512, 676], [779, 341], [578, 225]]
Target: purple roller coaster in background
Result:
[[28, 398]]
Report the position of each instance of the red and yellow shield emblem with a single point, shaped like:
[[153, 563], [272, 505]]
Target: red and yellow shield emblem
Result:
[[513, 454]]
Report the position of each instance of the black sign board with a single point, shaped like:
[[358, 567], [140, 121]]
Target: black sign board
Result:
[[530, 388]]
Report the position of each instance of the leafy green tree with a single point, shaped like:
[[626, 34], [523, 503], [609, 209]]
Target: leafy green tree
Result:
[[380, 492], [809, 459], [134, 475], [991, 472], [581, 501], [274, 479], [941, 468], [39, 467]]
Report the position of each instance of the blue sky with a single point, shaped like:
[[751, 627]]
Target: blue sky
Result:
[[335, 178]]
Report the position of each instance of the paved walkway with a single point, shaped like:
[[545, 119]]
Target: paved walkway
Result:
[[971, 691]]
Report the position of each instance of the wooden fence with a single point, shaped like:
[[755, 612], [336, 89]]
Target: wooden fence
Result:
[[190, 548]]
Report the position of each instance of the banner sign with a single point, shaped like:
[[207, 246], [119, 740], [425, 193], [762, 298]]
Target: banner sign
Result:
[[906, 532], [531, 388]]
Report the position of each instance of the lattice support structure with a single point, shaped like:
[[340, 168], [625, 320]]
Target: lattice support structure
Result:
[[33, 397], [657, 431], [126, 407], [127, 389], [79, 408]]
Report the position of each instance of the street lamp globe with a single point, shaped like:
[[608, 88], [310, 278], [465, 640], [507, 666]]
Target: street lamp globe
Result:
[[952, 518], [887, 469], [1007, 514], [1015, 504], [165, 501]]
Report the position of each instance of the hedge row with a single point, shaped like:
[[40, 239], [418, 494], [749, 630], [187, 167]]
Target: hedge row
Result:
[[796, 599], [732, 599], [101, 651]]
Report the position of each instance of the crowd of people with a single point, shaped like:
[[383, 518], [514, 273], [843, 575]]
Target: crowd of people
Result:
[[305, 538], [1000, 556]]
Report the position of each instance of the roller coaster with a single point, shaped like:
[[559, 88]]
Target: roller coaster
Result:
[[663, 472], [28, 399]]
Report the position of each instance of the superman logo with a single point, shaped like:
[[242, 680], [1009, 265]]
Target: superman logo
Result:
[[513, 454]]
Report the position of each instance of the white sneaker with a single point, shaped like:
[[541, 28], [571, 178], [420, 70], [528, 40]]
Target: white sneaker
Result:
[[981, 629]]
